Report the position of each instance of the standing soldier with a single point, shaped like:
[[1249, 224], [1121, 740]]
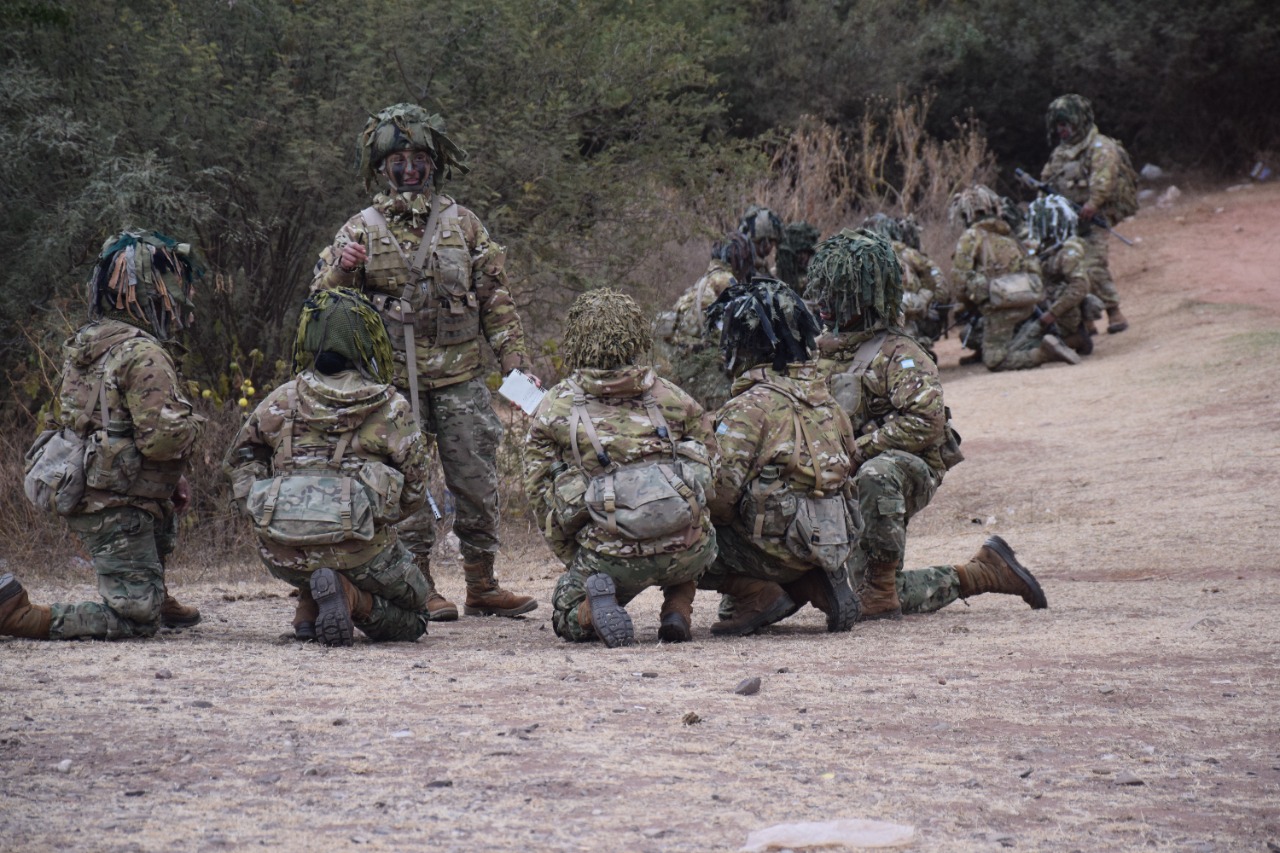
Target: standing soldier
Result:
[[324, 467], [120, 395], [891, 392], [1093, 171], [436, 278], [616, 465]]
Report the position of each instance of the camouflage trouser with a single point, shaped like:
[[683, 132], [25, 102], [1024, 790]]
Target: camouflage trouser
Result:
[[1096, 250], [1010, 341], [740, 556], [398, 588], [632, 575], [467, 434], [128, 546]]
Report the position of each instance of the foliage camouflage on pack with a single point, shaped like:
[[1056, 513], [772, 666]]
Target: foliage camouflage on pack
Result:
[[343, 321], [146, 279], [856, 272], [605, 330], [408, 127]]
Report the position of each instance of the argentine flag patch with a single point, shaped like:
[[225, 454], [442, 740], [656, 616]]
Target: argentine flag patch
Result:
[[908, 362], [722, 429]]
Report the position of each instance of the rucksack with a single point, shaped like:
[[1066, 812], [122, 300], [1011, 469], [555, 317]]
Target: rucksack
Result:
[[1124, 199], [54, 467]]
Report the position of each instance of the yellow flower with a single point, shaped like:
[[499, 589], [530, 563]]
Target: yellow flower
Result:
[[206, 393], [244, 403]]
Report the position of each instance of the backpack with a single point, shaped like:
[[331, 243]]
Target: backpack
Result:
[[311, 506], [1124, 198], [652, 505], [1015, 290]]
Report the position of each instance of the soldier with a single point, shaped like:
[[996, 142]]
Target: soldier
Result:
[[1002, 278], [437, 279], [325, 466], [686, 346], [1094, 172], [795, 251], [891, 392], [1063, 259], [616, 465], [924, 288], [120, 393], [786, 454], [764, 229]]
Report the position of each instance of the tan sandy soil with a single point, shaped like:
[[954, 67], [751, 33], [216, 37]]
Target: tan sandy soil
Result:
[[1137, 713]]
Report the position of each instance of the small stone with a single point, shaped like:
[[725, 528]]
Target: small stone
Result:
[[64, 766], [1124, 777], [1107, 689], [163, 674], [654, 832], [942, 681], [200, 703], [440, 783], [782, 669], [402, 733], [134, 793], [748, 686], [340, 721], [648, 675], [1025, 773], [690, 719]]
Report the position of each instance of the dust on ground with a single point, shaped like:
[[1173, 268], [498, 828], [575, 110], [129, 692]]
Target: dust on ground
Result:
[[1138, 712]]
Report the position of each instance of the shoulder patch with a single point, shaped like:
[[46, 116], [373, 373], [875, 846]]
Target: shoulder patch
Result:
[[908, 362], [722, 428]]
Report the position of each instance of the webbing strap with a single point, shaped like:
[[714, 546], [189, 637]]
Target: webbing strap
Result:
[[269, 507], [346, 506], [762, 495], [865, 352]]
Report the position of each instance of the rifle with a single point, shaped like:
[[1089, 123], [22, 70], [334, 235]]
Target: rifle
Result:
[[1050, 189]]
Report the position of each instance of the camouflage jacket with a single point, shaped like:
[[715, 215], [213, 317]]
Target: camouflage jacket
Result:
[[1086, 172], [922, 281], [143, 396], [688, 328], [899, 400], [468, 301], [381, 428], [757, 428], [986, 250], [1067, 281], [626, 433]]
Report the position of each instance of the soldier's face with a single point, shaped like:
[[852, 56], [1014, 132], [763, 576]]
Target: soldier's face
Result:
[[1064, 129], [408, 171], [764, 246]]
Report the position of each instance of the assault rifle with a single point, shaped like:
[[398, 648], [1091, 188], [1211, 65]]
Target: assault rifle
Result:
[[1048, 188]]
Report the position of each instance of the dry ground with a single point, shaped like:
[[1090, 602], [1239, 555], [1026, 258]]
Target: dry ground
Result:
[[1137, 713]]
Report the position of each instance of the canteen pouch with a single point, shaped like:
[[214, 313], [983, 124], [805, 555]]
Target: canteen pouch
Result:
[[112, 462], [569, 500], [768, 504]]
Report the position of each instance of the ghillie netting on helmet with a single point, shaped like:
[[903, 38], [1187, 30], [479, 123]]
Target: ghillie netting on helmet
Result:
[[408, 127], [344, 323], [147, 278], [605, 330], [764, 322], [855, 274]]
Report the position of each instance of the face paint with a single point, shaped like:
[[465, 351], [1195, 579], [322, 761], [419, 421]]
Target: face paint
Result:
[[408, 171]]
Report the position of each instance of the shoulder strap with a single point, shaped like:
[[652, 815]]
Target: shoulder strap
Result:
[[284, 455], [97, 400], [865, 353], [579, 415]]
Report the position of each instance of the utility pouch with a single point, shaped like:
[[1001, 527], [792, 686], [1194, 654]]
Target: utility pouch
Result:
[[300, 508], [820, 531], [950, 449], [768, 504], [643, 502], [112, 460], [54, 471], [386, 486], [1015, 290], [569, 500]]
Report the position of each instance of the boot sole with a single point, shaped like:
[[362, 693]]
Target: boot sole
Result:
[[892, 615], [610, 619], [1116, 328], [9, 587], [1061, 350], [444, 614], [1005, 552], [674, 629], [333, 623], [847, 608], [471, 610], [180, 622], [777, 611], [305, 632]]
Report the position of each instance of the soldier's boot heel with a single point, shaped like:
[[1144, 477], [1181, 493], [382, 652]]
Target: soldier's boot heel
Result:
[[844, 609], [610, 619], [333, 626]]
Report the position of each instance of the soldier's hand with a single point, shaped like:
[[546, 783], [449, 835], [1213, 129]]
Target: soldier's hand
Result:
[[352, 256], [1088, 212], [1047, 319], [182, 496]]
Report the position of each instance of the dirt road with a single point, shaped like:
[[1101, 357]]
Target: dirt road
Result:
[[1137, 713]]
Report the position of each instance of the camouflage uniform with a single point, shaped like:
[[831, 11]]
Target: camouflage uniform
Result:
[[923, 285], [628, 435], [449, 327], [899, 417], [685, 352], [986, 250], [378, 424], [1066, 279], [128, 533]]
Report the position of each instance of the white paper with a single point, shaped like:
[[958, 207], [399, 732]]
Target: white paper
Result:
[[520, 390]]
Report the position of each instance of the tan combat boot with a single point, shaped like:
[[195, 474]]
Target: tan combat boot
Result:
[[486, 598], [605, 615], [756, 603], [1053, 349], [340, 604], [304, 616], [677, 613], [175, 614], [1116, 322], [18, 616], [439, 608], [995, 568], [878, 592], [829, 593]]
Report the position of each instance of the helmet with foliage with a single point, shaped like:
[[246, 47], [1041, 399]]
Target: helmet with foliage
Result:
[[901, 229], [408, 127], [761, 223], [795, 251], [856, 278], [1011, 213], [147, 279], [765, 322], [735, 250], [605, 330], [340, 330], [1053, 220], [1074, 110], [973, 204]]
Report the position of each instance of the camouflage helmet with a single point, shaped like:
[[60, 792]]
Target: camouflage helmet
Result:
[[408, 127], [1011, 213], [856, 274], [883, 224], [605, 330], [1075, 110], [1053, 220], [909, 231], [145, 278], [735, 250], [765, 321], [340, 329], [798, 238], [761, 223], [973, 205]]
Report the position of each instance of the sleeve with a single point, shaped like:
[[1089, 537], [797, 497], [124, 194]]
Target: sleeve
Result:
[[915, 394], [327, 274], [739, 433], [249, 456], [165, 425], [499, 319], [1076, 282], [542, 451], [407, 451], [970, 281]]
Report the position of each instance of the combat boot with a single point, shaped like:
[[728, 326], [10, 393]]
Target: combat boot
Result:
[[439, 608], [175, 614], [1053, 349], [878, 592], [830, 593], [756, 603], [340, 604], [304, 616], [18, 616], [486, 598], [995, 568], [1116, 322], [604, 615], [677, 613]]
